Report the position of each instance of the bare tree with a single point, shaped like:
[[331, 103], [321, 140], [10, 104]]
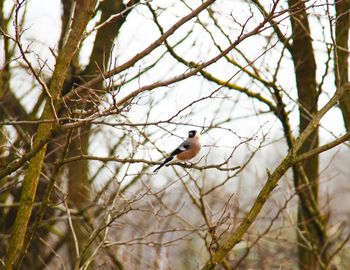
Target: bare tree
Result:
[[83, 120]]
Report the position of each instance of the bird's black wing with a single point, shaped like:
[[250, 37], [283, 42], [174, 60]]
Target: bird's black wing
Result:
[[183, 147]]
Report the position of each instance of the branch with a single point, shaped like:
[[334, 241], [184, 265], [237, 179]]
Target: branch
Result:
[[149, 162], [140, 55], [322, 148], [15, 165], [23, 52], [259, 28], [271, 183]]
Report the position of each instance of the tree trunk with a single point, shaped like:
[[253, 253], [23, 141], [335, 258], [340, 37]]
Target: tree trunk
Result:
[[311, 230], [82, 14], [342, 54], [78, 174]]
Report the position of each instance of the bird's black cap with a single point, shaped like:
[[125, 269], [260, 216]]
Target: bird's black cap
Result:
[[192, 133]]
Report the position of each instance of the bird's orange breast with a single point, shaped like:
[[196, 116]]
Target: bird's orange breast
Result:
[[190, 153]]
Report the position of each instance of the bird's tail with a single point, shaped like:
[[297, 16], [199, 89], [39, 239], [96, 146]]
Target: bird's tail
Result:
[[164, 162]]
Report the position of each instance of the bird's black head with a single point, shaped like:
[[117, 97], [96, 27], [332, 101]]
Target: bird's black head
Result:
[[192, 133]]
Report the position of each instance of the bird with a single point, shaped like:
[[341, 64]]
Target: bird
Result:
[[186, 150]]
